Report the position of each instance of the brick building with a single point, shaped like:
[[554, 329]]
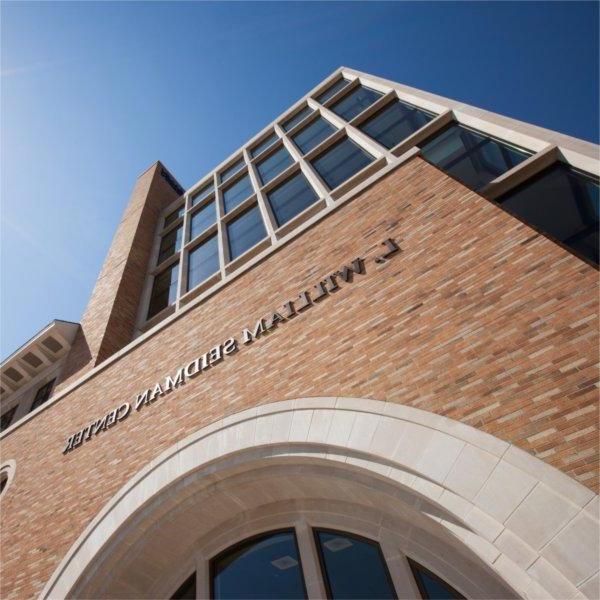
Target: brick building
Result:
[[358, 359]]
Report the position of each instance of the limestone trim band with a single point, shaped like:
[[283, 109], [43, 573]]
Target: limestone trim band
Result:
[[533, 525]]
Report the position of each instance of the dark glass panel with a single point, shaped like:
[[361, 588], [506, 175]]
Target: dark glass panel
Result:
[[172, 217], [203, 261], [354, 567], [203, 219], [340, 162], [431, 586], [169, 244], [312, 135], [7, 418], [245, 231], [273, 165], [267, 143], [471, 157], [561, 203], [229, 172], [330, 92], [355, 102], [164, 290], [205, 192], [395, 123], [187, 591], [42, 395], [237, 193], [297, 118], [263, 568], [291, 198]]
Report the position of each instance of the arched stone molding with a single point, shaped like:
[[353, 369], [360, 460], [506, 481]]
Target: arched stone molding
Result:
[[7, 474], [527, 524]]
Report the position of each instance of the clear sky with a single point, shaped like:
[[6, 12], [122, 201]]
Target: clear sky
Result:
[[93, 93]]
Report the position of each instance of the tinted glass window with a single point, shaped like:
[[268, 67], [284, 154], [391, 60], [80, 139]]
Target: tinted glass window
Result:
[[237, 193], [42, 394], [340, 84], [7, 418], [563, 204], [203, 261], [172, 217], [205, 192], [164, 290], [202, 220], [340, 162], [291, 198], [275, 164], [229, 172], [264, 145], [187, 591], [471, 157], [313, 134], [297, 118], [431, 586], [395, 123], [262, 568], [354, 568], [169, 244], [245, 231], [355, 102]]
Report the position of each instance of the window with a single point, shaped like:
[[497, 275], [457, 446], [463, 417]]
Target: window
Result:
[[7, 418], [297, 118], [237, 193], [291, 198], [264, 567], [312, 135], [561, 203], [340, 84], [273, 165], [355, 102], [204, 193], [187, 590], [245, 231], [172, 217], [340, 162], [431, 586], [353, 567], [203, 261], [202, 219], [42, 394], [169, 244], [229, 172], [262, 146], [164, 290], [471, 157], [394, 123]]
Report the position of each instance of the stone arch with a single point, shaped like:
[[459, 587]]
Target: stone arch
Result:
[[416, 481]]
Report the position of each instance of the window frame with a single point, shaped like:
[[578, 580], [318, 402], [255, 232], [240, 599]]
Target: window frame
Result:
[[414, 569]]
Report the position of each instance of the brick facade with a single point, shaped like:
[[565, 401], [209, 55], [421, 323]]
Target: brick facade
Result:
[[479, 319]]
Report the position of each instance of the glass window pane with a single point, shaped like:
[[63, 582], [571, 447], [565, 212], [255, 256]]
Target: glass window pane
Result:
[[267, 143], [340, 162], [312, 135], [431, 586], [169, 244], [297, 118], [291, 198], [275, 164], [245, 231], [237, 193], [203, 261], [471, 157], [340, 84], [7, 418], [563, 204], [395, 123], [187, 591], [229, 172], [203, 219], [172, 217], [265, 567], [205, 192], [354, 568], [164, 290], [42, 395], [355, 102]]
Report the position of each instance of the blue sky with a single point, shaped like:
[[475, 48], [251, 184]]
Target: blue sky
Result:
[[93, 93]]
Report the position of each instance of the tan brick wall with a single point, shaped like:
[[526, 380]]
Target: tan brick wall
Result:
[[479, 319]]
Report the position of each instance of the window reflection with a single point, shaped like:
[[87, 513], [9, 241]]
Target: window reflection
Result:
[[431, 586]]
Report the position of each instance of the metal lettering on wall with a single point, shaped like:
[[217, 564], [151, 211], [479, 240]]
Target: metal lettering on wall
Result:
[[289, 309]]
